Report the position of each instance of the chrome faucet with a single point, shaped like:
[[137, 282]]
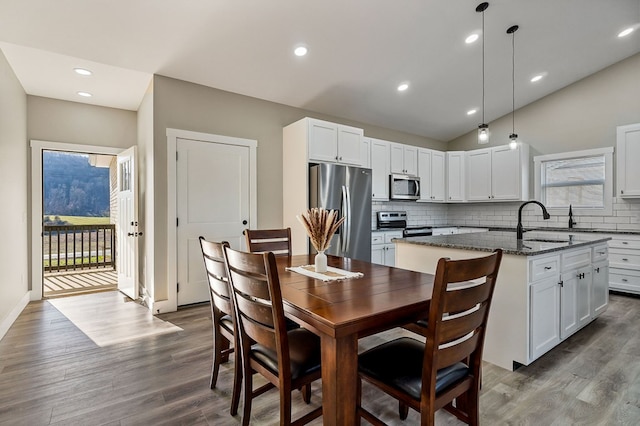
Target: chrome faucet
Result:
[[545, 215]]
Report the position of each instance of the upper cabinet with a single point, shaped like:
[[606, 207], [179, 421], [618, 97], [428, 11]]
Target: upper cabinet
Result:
[[380, 153], [404, 159], [431, 170], [365, 153], [455, 167], [498, 174], [627, 159], [334, 143]]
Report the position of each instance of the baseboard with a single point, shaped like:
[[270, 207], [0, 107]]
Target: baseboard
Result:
[[14, 314]]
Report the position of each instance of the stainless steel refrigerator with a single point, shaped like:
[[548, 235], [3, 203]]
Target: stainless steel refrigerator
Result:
[[348, 190]]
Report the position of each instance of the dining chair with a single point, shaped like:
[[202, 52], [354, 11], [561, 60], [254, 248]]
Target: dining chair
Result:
[[221, 316], [288, 359], [277, 241], [447, 367]]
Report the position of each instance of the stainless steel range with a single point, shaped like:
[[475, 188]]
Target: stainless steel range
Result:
[[398, 220]]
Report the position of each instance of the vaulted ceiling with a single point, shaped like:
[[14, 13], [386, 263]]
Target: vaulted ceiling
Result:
[[359, 52]]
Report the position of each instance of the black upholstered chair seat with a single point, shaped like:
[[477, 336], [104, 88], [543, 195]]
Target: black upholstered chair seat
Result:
[[399, 364], [304, 353], [227, 323]]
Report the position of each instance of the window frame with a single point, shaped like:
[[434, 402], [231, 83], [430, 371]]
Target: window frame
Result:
[[607, 152]]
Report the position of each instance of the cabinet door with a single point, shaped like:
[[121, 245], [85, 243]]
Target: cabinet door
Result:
[[455, 176], [380, 167], [377, 254], [323, 141], [545, 316], [390, 255], [424, 172], [437, 176], [410, 155], [627, 158], [365, 153], [583, 295], [397, 158], [349, 145], [505, 173], [479, 175], [568, 304], [599, 288]]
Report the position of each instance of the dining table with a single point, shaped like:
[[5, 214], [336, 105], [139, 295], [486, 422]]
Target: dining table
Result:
[[342, 311]]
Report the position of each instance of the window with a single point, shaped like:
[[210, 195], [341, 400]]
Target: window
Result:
[[581, 179]]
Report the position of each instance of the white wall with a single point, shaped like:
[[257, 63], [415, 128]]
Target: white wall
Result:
[[13, 191]]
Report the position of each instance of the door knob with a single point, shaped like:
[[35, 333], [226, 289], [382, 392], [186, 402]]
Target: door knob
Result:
[[244, 222]]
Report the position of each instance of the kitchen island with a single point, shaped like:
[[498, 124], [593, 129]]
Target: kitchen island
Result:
[[547, 289]]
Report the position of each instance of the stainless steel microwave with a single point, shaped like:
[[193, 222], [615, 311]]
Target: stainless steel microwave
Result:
[[404, 187]]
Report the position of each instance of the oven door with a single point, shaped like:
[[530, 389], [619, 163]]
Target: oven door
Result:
[[404, 187]]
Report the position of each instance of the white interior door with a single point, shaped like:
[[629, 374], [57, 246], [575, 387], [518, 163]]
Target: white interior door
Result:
[[212, 185], [127, 224]]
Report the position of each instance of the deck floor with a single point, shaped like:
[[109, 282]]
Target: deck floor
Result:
[[79, 282]]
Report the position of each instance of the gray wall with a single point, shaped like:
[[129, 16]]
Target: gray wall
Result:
[[13, 191], [72, 122], [583, 115], [187, 106]]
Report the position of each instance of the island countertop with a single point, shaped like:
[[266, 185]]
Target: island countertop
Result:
[[533, 243]]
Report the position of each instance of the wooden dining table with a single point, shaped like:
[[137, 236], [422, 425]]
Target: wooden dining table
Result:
[[341, 312]]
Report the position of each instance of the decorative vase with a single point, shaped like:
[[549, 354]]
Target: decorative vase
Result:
[[321, 262]]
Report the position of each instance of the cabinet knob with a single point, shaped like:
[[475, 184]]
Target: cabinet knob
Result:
[[597, 270], [622, 191], [547, 268], [340, 158], [624, 280], [489, 196], [561, 283], [625, 259], [625, 242]]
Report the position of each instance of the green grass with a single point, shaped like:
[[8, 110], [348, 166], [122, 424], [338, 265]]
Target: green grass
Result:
[[83, 220]]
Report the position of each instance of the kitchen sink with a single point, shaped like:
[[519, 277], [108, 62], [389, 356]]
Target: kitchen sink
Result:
[[546, 240]]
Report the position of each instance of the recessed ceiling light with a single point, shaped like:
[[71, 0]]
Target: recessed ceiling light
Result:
[[537, 78], [300, 51], [472, 111], [625, 32], [82, 71], [85, 94], [471, 38], [403, 87]]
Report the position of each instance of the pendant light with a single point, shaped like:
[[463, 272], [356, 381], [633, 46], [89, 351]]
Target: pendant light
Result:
[[483, 129], [513, 136]]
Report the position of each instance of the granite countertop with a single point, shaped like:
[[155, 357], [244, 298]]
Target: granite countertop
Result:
[[488, 241]]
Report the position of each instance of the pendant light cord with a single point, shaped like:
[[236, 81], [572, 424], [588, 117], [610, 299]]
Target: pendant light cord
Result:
[[513, 82], [483, 122]]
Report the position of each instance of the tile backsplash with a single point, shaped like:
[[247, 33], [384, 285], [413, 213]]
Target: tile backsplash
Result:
[[625, 217]]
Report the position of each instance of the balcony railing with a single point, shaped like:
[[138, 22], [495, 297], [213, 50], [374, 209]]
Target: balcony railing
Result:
[[76, 247]]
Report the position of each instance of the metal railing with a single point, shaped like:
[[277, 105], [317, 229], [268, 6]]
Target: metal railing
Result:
[[77, 247]]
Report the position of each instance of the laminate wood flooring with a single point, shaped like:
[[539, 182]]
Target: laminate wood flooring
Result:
[[109, 318], [52, 373]]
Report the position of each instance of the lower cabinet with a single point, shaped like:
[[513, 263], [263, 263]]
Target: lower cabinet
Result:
[[383, 250], [567, 291], [545, 316]]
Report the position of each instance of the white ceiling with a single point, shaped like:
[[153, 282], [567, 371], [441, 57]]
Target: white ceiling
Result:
[[359, 51]]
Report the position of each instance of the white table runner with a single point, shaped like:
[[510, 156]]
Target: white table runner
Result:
[[332, 274]]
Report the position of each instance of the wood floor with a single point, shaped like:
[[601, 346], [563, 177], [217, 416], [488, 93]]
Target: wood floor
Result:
[[51, 373]]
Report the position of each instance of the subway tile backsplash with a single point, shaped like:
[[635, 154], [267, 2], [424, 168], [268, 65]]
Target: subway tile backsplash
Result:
[[625, 217]]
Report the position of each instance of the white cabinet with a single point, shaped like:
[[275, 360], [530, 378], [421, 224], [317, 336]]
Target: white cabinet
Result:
[[627, 159], [567, 291], [365, 153], [383, 250], [455, 171], [545, 315], [404, 159], [380, 152], [498, 174], [600, 288], [575, 293], [624, 263], [431, 170], [334, 143]]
